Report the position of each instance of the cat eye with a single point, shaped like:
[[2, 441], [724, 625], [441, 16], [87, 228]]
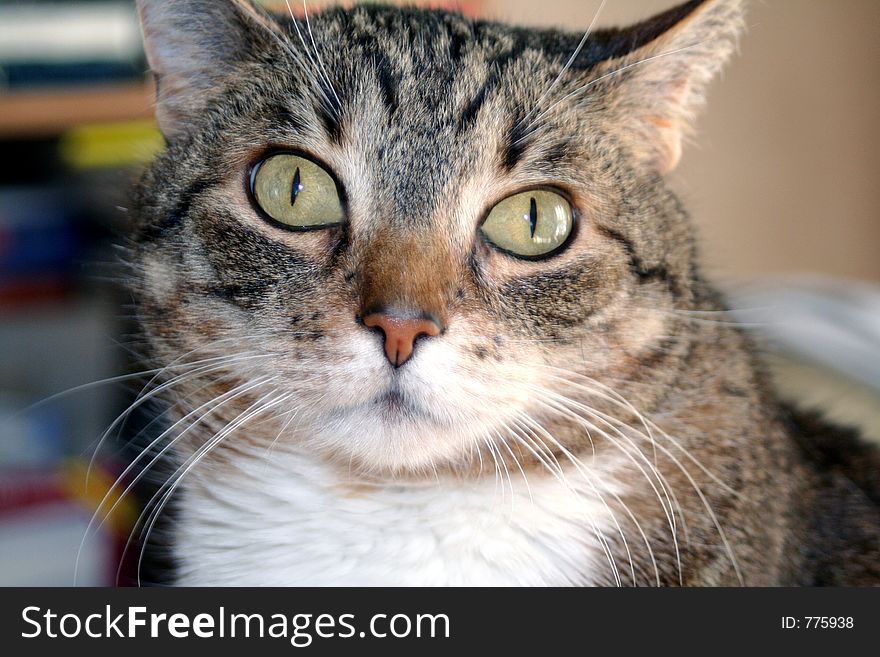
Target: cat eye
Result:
[[296, 192], [531, 224]]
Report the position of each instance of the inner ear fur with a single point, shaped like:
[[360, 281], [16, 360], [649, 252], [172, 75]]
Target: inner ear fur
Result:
[[190, 45], [655, 88]]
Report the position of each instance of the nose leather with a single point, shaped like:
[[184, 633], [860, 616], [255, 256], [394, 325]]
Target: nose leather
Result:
[[401, 333]]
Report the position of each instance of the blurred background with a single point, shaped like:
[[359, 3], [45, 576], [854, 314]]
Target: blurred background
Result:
[[782, 181]]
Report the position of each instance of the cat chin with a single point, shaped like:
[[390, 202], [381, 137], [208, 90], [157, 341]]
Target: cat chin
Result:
[[391, 439]]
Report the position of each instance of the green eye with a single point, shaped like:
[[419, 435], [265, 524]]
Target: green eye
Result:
[[296, 192], [531, 224]]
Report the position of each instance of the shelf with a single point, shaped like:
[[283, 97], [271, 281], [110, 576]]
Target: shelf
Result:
[[45, 113]]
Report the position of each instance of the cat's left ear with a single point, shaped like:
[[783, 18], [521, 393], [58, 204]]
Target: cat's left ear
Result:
[[191, 45], [656, 87]]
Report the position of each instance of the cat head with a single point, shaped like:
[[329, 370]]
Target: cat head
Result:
[[411, 233]]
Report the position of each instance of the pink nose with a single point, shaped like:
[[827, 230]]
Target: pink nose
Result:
[[401, 333]]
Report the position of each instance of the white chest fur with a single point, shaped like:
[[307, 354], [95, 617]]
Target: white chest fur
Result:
[[289, 522]]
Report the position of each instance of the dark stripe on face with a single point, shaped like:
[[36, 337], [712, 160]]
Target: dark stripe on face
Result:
[[469, 114], [658, 356], [387, 82], [459, 40], [554, 302], [516, 146], [174, 219], [247, 264], [645, 273], [499, 67], [245, 295], [557, 155], [285, 118], [331, 124]]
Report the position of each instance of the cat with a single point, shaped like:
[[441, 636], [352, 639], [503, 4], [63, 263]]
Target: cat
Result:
[[425, 312]]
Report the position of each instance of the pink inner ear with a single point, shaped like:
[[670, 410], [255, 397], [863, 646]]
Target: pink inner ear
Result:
[[667, 127], [658, 101], [667, 145]]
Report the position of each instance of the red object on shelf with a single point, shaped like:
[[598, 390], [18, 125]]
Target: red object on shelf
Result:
[[45, 531], [21, 491], [17, 294]]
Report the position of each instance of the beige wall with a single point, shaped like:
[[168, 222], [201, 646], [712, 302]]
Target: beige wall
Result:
[[784, 173]]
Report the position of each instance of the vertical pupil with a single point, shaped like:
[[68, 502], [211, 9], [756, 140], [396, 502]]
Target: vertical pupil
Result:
[[533, 216], [297, 187]]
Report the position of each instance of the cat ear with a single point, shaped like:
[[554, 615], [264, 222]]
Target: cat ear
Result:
[[659, 84], [190, 45]]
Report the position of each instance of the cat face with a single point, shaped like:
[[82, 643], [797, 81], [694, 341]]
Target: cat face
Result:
[[497, 234]]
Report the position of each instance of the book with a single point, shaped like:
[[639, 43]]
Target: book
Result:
[[54, 43]]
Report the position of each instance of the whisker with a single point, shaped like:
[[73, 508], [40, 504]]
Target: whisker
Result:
[[323, 68], [144, 398], [498, 476], [328, 103], [668, 511], [583, 472], [622, 503], [617, 71], [571, 60], [698, 490], [519, 465], [218, 403], [256, 409], [121, 378]]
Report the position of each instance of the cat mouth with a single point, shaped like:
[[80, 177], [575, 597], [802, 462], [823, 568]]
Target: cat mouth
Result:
[[393, 400], [393, 403]]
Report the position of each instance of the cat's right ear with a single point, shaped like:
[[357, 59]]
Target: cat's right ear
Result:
[[657, 80], [190, 46]]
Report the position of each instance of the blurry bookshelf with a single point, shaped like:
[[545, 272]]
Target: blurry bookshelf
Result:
[[67, 63], [75, 108]]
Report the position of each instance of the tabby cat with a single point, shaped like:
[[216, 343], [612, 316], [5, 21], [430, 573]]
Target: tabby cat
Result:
[[427, 313]]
